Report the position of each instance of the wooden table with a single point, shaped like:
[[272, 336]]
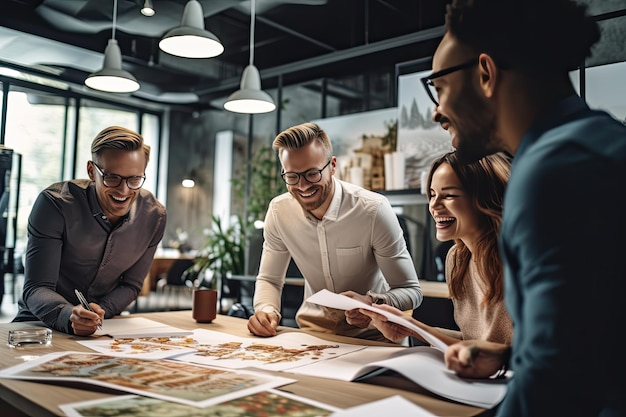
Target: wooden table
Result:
[[35, 399]]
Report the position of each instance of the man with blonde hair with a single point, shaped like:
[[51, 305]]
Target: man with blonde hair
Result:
[[95, 235], [342, 238]]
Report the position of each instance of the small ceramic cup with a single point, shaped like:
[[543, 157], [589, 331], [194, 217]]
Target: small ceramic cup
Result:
[[204, 307]]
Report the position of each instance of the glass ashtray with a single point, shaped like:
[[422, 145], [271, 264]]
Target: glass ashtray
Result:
[[35, 336]]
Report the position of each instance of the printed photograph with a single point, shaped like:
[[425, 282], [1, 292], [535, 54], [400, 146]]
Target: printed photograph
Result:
[[262, 404], [194, 385]]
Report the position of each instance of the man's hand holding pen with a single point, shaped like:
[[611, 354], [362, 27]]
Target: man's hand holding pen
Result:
[[478, 358], [86, 317]]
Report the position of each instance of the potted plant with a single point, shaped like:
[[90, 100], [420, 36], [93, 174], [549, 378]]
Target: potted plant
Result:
[[265, 184], [221, 254]]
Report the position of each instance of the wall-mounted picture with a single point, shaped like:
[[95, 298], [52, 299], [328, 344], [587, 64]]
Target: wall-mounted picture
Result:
[[419, 138], [360, 142]]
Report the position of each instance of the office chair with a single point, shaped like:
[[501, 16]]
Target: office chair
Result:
[[173, 283]]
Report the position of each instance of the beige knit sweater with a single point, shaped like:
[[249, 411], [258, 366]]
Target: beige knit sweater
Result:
[[477, 321]]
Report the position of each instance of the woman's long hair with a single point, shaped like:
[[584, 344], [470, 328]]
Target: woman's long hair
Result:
[[484, 181]]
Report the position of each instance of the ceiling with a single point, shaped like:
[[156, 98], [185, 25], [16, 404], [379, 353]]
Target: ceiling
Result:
[[298, 40]]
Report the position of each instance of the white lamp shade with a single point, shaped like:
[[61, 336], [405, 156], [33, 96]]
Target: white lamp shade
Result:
[[112, 78], [250, 98], [147, 9], [191, 40]]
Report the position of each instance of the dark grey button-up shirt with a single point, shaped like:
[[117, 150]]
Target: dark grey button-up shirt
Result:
[[72, 245]]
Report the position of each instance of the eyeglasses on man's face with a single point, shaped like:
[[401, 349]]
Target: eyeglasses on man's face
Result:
[[312, 175], [113, 180], [428, 81]]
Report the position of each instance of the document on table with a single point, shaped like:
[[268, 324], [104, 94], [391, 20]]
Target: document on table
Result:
[[137, 327], [184, 383], [330, 299], [265, 403], [394, 405], [423, 365]]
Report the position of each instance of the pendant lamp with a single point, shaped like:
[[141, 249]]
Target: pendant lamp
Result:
[[112, 78], [148, 8], [190, 39], [250, 98]]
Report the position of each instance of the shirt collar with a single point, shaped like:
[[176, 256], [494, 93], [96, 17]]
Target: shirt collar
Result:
[[335, 204]]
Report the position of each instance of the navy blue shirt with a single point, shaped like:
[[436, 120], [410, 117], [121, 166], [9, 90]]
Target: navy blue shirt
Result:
[[564, 254], [72, 245]]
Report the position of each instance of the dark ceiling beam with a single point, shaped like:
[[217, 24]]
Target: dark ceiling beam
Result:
[[228, 85], [295, 33]]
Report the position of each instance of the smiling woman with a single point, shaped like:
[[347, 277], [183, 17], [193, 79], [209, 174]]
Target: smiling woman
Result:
[[465, 200]]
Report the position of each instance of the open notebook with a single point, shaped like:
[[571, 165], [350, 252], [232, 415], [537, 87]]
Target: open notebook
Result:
[[136, 327]]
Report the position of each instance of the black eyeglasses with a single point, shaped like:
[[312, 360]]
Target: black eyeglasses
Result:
[[312, 175], [428, 81], [114, 180]]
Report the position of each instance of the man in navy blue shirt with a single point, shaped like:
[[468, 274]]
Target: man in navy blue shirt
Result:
[[500, 83]]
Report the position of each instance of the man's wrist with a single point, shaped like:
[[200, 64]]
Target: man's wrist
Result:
[[273, 311], [375, 298], [506, 358]]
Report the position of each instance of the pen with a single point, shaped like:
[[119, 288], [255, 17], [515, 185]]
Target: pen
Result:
[[85, 304]]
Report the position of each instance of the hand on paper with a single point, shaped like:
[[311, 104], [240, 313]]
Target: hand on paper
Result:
[[476, 358], [355, 317], [390, 330], [85, 322], [263, 324]]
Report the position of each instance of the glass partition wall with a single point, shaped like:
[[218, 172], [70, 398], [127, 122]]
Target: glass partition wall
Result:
[[52, 131]]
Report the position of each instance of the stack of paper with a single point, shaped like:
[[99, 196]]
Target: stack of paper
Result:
[[136, 327]]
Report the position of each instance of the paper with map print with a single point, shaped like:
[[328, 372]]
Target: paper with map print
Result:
[[261, 404], [286, 351], [194, 385]]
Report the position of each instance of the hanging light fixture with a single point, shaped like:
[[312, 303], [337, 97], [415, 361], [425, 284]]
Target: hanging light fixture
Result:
[[190, 39], [250, 98], [147, 9], [112, 78]]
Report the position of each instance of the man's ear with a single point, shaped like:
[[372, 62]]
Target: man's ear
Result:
[[488, 72], [90, 170]]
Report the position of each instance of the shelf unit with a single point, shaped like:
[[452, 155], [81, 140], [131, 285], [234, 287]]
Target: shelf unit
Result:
[[404, 197]]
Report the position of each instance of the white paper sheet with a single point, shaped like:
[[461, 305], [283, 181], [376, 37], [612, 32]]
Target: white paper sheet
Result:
[[195, 385], [278, 353], [266, 403], [330, 299], [423, 365], [391, 406], [134, 327], [144, 348]]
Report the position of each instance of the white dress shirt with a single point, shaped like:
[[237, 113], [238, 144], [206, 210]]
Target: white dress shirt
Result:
[[358, 245]]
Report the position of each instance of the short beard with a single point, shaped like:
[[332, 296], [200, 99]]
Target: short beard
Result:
[[476, 130]]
